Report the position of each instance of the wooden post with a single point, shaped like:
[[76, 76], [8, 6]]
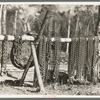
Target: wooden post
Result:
[[4, 42]]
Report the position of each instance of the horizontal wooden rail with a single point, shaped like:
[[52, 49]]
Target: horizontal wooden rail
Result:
[[11, 37], [31, 38]]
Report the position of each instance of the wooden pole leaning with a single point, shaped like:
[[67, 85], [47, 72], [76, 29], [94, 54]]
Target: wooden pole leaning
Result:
[[26, 70], [41, 85]]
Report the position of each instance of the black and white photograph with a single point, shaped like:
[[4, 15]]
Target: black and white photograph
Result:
[[50, 49]]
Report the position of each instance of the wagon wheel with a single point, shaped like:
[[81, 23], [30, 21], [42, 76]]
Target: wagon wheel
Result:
[[20, 61]]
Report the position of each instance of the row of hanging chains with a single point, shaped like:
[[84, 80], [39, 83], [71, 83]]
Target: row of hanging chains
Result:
[[4, 42], [57, 48]]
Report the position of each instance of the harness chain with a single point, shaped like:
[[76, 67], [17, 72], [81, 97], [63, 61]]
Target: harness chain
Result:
[[40, 51], [85, 59], [48, 48], [41, 55], [79, 61], [83, 56], [77, 54], [44, 58], [90, 55], [57, 48], [74, 56], [71, 59], [95, 56]]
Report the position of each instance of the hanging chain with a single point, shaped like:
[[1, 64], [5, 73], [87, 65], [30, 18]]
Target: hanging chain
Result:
[[84, 59], [90, 55], [44, 58], [48, 47], [95, 57], [57, 49]]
